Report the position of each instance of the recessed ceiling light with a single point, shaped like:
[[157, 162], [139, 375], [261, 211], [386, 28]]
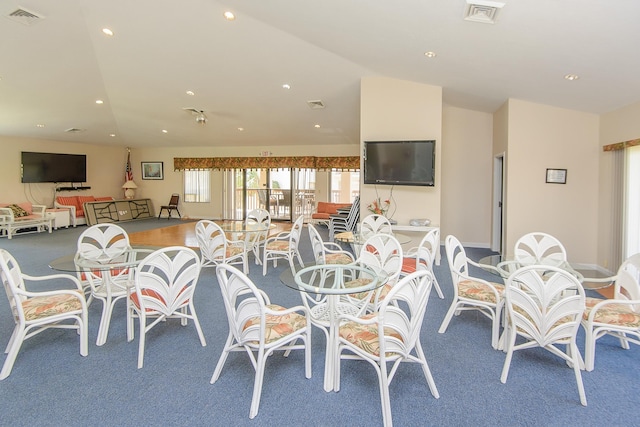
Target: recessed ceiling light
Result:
[[190, 93], [316, 126], [165, 131], [99, 101], [430, 54], [286, 86], [229, 16], [40, 125], [112, 135], [571, 77], [240, 129], [107, 31]]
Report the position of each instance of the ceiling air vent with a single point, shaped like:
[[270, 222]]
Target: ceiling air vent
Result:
[[24, 16], [485, 12], [314, 105], [74, 130]]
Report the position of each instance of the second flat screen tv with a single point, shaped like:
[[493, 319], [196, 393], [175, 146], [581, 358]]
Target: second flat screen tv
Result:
[[399, 162]]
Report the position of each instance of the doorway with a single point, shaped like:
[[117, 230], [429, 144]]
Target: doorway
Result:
[[286, 193], [497, 228]]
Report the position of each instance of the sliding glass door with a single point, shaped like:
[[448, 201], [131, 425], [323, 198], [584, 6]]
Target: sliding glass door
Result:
[[285, 193]]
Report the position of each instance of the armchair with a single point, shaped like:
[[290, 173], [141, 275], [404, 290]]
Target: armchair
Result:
[[33, 312], [471, 293], [618, 316], [284, 246]]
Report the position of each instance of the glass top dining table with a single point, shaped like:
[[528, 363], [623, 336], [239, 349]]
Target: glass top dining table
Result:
[[359, 238], [329, 280], [108, 273], [76, 263], [504, 266], [244, 227]]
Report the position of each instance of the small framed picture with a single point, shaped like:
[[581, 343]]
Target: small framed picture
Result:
[[556, 176], [152, 170]]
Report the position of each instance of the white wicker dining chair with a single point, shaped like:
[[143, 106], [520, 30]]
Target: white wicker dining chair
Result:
[[254, 241], [101, 243], [383, 253], [544, 306], [165, 283], [327, 252], [423, 256], [390, 335], [618, 316], [284, 245], [539, 248], [259, 327], [374, 224], [471, 293], [36, 311], [216, 248]]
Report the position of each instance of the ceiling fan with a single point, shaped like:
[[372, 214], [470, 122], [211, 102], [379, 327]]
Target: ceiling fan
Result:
[[201, 118]]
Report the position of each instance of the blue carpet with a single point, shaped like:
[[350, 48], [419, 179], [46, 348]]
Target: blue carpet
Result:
[[51, 384]]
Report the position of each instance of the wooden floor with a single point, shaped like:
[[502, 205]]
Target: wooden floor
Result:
[[184, 235], [181, 235]]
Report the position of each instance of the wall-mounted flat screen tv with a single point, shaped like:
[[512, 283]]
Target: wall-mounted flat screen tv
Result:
[[400, 162], [53, 167]]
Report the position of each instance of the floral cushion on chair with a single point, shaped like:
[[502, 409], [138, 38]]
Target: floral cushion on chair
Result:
[[612, 314], [234, 250], [278, 245], [278, 326], [337, 259], [479, 291], [39, 307], [381, 292], [366, 336]]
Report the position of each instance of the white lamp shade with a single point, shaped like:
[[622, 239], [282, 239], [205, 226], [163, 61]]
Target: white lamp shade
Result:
[[129, 184]]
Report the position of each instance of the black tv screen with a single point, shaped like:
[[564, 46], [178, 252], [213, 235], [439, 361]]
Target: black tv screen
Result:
[[52, 167], [399, 162]]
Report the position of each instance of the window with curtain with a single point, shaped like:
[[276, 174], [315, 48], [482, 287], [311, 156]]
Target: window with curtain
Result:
[[632, 214], [197, 185]]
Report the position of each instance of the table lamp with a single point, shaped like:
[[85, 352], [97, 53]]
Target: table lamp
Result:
[[129, 189]]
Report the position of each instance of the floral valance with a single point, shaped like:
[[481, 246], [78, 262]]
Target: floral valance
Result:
[[621, 145], [271, 162]]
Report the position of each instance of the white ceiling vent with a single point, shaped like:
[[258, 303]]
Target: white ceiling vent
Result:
[[24, 16], [74, 130], [314, 105], [482, 11]]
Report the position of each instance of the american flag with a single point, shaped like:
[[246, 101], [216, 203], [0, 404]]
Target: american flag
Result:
[[128, 174]]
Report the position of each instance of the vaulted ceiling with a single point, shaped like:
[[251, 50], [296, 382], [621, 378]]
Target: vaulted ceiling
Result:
[[56, 62]]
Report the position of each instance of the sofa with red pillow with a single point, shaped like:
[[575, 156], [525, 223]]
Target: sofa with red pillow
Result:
[[75, 204], [324, 210], [17, 216]]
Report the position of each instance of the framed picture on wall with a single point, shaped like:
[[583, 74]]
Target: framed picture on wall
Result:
[[152, 170], [556, 176]]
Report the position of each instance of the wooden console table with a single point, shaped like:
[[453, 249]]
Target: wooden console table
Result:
[[118, 210]]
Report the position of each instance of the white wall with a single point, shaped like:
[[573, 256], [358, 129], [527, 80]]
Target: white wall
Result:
[[393, 109], [105, 170], [466, 175], [541, 137]]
